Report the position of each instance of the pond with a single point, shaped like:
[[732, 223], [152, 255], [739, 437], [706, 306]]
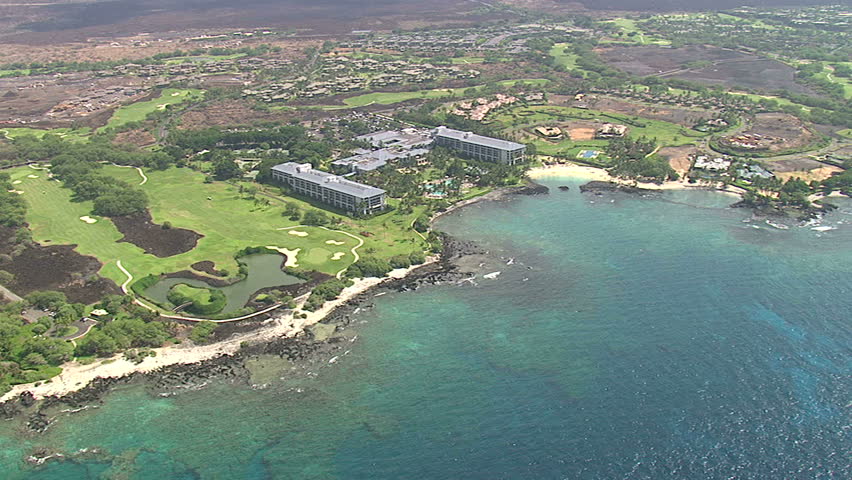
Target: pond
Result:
[[264, 270]]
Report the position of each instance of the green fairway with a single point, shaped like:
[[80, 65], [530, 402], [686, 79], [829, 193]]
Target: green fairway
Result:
[[562, 56], [76, 135], [136, 112], [831, 77], [14, 73], [228, 220], [203, 58], [388, 98], [467, 60], [631, 32]]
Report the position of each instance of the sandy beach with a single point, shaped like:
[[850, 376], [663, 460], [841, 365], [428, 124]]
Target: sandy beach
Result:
[[75, 376], [572, 170]]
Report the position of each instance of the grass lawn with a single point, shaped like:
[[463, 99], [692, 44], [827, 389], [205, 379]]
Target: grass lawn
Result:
[[76, 135], [628, 26], [228, 221], [388, 98], [562, 57], [14, 73], [831, 77], [665, 133], [136, 112], [781, 100], [467, 60], [203, 58]]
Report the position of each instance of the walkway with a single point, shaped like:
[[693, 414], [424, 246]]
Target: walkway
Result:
[[141, 173], [178, 317]]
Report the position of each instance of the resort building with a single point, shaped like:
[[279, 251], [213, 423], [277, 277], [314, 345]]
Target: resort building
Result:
[[479, 147], [333, 190], [388, 147]]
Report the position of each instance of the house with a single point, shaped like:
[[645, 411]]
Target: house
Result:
[[610, 130], [714, 165]]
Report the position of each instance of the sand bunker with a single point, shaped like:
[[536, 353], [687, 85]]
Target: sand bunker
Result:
[[290, 254], [19, 192], [17, 182], [32, 176], [334, 242], [298, 233], [338, 255], [88, 219]]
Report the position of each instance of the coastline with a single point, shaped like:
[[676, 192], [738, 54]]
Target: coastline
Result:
[[573, 170], [76, 376]]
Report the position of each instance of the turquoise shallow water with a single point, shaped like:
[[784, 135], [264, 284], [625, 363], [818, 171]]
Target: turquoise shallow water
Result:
[[629, 338]]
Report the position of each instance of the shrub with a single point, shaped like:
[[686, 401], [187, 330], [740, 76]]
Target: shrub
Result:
[[369, 267], [325, 291], [400, 261], [204, 301], [47, 300], [202, 331]]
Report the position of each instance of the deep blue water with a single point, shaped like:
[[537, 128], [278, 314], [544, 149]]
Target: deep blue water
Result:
[[628, 338]]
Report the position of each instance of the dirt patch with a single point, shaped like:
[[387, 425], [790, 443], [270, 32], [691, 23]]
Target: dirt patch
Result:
[[680, 158], [228, 112], [48, 101], [206, 266], [805, 168], [141, 231], [818, 174], [54, 267], [773, 132], [139, 138], [681, 116], [581, 133], [726, 67]]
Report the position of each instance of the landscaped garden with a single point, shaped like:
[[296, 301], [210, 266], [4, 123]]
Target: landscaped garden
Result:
[[521, 119]]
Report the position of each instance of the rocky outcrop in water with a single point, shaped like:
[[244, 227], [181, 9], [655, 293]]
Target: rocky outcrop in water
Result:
[[530, 188], [598, 187]]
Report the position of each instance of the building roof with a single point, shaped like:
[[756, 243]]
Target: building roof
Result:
[[405, 138], [329, 180], [471, 137]]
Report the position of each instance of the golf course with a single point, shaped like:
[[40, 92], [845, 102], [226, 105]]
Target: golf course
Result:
[[227, 220]]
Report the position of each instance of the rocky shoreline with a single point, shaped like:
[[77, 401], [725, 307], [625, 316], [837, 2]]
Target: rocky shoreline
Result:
[[599, 187], [38, 415], [319, 344]]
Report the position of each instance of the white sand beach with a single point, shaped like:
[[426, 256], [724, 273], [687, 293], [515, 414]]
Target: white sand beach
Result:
[[572, 170], [75, 376]]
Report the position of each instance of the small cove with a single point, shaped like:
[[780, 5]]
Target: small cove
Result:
[[264, 270]]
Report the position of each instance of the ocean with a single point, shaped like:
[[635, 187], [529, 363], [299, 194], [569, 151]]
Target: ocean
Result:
[[625, 337]]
